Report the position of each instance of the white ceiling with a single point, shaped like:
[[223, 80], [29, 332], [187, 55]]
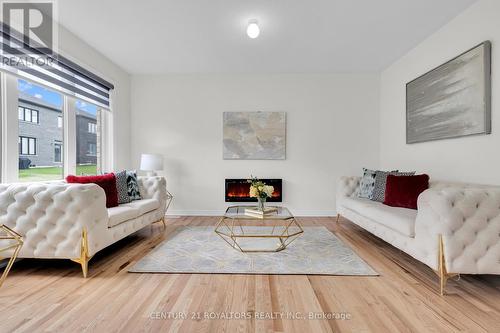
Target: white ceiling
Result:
[[179, 36]]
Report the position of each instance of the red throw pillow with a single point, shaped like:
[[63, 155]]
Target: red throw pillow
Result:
[[106, 182], [403, 191]]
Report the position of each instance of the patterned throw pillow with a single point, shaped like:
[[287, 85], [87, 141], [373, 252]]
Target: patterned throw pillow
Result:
[[381, 180], [122, 187], [133, 186], [367, 184]]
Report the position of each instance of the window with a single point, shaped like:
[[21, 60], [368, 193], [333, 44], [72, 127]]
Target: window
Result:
[[40, 147], [34, 116], [27, 146], [87, 118], [28, 115], [67, 138], [58, 87], [58, 152], [92, 128], [92, 149]]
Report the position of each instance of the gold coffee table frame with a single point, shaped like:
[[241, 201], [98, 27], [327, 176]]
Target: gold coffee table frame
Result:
[[231, 228], [9, 234]]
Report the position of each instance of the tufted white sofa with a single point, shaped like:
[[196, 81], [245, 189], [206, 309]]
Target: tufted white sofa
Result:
[[455, 230], [71, 221]]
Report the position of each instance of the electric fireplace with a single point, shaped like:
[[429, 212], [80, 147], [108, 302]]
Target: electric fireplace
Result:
[[238, 190]]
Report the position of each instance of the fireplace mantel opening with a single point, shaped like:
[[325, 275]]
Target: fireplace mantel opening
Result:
[[238, 190]]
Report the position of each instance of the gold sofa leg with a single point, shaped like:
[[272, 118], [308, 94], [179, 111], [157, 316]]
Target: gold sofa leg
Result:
[[338, 218], [442, 271], [162, 220], [84, 254]]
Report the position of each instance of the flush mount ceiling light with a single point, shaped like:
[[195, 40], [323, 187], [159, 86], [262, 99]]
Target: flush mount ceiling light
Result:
[[253, 29]]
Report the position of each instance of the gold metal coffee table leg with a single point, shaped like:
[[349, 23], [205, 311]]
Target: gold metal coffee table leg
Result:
[[10, 235], [231, 228]]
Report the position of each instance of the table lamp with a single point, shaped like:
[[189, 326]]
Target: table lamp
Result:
[[151, 163]]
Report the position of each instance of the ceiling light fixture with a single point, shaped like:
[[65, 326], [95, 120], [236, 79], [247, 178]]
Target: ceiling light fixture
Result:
[[253, 29]]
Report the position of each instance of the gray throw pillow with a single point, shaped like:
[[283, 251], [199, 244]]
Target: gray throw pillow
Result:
[[367, 184], [381, 181], [121, 187], [133, 186]]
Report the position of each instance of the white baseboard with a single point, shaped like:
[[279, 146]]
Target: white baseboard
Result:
[[173, 213], [305, 213], [315, 213]]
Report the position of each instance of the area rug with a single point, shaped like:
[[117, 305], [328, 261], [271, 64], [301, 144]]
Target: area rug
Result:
[[201, 250]]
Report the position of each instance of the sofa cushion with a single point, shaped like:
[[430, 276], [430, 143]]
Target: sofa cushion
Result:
[[403, 191], [144, 206], [398, 219], [121, 214], [367, 183], [132, 186], [381, 180], [106, 182], [122, 187]]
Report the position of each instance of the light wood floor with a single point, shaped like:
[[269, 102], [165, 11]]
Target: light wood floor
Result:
[[51, 295]]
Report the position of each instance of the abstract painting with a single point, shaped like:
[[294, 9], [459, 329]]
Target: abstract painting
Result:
[[254, 135], [452, 100]]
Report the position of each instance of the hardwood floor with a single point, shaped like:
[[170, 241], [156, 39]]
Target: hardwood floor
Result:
[[51, 295]]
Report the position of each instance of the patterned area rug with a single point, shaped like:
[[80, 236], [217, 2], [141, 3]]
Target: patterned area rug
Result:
[[201, 250]]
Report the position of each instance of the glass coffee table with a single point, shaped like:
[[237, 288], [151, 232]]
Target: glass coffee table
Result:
[[271, 233]]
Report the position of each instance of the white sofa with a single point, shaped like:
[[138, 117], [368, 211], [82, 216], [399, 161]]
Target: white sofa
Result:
[[71, 221], [456, 229]]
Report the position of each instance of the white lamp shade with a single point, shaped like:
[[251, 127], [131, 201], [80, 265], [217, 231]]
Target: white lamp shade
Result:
[[253, 29], [151, 162]]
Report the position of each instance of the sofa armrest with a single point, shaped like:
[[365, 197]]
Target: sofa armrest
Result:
[[468, 218], [51, 216], [154, 188], [348, 186]]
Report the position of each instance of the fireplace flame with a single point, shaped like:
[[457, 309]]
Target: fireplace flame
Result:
[[239, 191], [243, 194]]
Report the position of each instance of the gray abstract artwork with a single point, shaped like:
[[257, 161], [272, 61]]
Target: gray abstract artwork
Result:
[[452, 100], [254, 135]]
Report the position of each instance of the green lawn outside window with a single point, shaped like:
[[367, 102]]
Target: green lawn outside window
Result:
[[53, 173]]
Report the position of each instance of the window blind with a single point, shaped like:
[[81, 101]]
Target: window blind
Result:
[[21, 56]]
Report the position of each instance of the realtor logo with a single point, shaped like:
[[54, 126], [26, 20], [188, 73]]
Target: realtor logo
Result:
[[32, 22]]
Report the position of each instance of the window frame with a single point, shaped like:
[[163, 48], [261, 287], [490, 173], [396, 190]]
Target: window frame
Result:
[[33, 112], [30, 112], [92, 152], [61, 148], [10, 101], [92, 127], [28, 140]]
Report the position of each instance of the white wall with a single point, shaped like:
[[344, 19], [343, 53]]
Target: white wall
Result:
[[83, 54], [332, 130], [469, 159]]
